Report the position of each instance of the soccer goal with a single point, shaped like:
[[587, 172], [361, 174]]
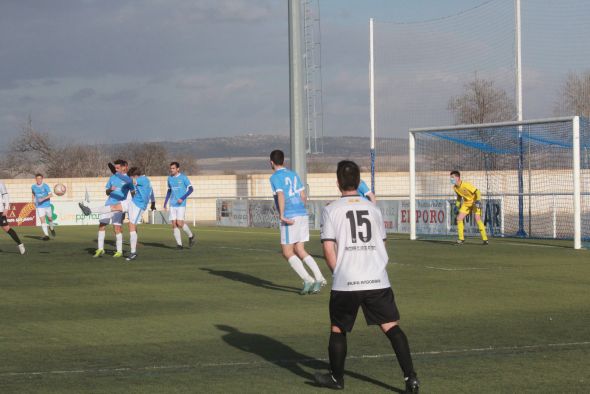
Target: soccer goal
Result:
[[533, 176]]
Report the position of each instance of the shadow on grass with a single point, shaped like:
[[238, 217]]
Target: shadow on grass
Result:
[[251, 280], [281, 355], [35, 237], [158, 245]]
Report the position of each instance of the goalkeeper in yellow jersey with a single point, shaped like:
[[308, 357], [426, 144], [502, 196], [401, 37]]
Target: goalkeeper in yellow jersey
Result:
[[468, 201]]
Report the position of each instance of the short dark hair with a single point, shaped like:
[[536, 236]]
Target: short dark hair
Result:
[[349, 175], [455, 172], [277, 156], [120, 162], [175, 163], [134, 171], [38, 174]]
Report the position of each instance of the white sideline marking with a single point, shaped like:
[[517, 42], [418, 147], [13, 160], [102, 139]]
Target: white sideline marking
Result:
[[532, 245], [457, 269], [489, 349]]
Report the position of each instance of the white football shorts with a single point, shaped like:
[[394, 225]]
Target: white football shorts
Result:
[[176, 213], [296, 232], [42, 212], [135, 213], [115, 218]]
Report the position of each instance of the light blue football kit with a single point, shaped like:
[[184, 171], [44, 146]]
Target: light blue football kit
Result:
[[41, 191], [288, 182], [363, 190], [180, 188]]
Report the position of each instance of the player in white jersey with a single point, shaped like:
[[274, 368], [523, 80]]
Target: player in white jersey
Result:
[[4, 208], [353, 238], [42, 200], [289, 194]]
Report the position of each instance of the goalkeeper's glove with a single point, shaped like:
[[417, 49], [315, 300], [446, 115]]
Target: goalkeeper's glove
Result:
[[153, 206], [456, 207], [112, 168], [478, 204]]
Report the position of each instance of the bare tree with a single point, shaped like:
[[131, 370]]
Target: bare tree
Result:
[[575, 95], [482, 102], [151, 157]]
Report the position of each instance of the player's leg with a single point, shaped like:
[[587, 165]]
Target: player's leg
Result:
[[100, 209], [297, 266], [463, 211], [117, 226], [135, 214], [180, 217], [300, 230], [50, 220], [10, 231], [101, 236], [132, 242], [344, 307], [41, 214], [379, 308], [173, 217], [481, 226], [309, 261]]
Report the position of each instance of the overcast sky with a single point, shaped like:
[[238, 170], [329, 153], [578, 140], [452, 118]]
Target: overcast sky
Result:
[[124, 70]]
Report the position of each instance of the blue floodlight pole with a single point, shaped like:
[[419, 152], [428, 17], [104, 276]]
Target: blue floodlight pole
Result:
[[521, 232]]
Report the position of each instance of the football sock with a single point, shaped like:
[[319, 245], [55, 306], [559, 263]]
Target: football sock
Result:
[[44, 228], [298, 267], [482, 230], [313, 266], [14, 236], [460, 229], [51, 225], [187, 230], [401, 347], [177, 236], [101, 235], [119, 238], [337, 354], [133, 241]]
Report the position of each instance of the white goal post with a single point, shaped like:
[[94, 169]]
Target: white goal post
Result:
[[536, 172]]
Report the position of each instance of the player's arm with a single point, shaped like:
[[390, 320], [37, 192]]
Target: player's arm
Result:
[[152, 200], [168, 194], [303, 196], [189, 191], [281, 206], [329, 247], [4, 199], [477, 198], [109, 188]]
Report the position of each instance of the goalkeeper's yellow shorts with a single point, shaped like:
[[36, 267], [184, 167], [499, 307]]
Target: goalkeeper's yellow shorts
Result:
[[471, 208]]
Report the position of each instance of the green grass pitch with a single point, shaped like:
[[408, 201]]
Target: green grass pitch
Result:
[[225, 316]]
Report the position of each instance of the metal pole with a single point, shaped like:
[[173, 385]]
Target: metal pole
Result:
[[296, 90], [412, 144], [372, 102], [521, 232], [577, 185]]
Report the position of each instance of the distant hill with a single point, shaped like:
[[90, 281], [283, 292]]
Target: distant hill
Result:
[[255, 145]]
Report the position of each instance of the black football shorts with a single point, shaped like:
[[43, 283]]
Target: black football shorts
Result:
[[378, 307]]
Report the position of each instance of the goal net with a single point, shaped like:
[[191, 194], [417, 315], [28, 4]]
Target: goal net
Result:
[[533, 176]]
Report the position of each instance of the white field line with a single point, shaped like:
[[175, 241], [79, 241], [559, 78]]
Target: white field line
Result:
[[489, 349]]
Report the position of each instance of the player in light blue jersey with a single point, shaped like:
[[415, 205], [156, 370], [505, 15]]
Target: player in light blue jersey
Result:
[[113, 211], [364, 191], [179, 188], [42, 199], [143, 194], [290, 197]]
